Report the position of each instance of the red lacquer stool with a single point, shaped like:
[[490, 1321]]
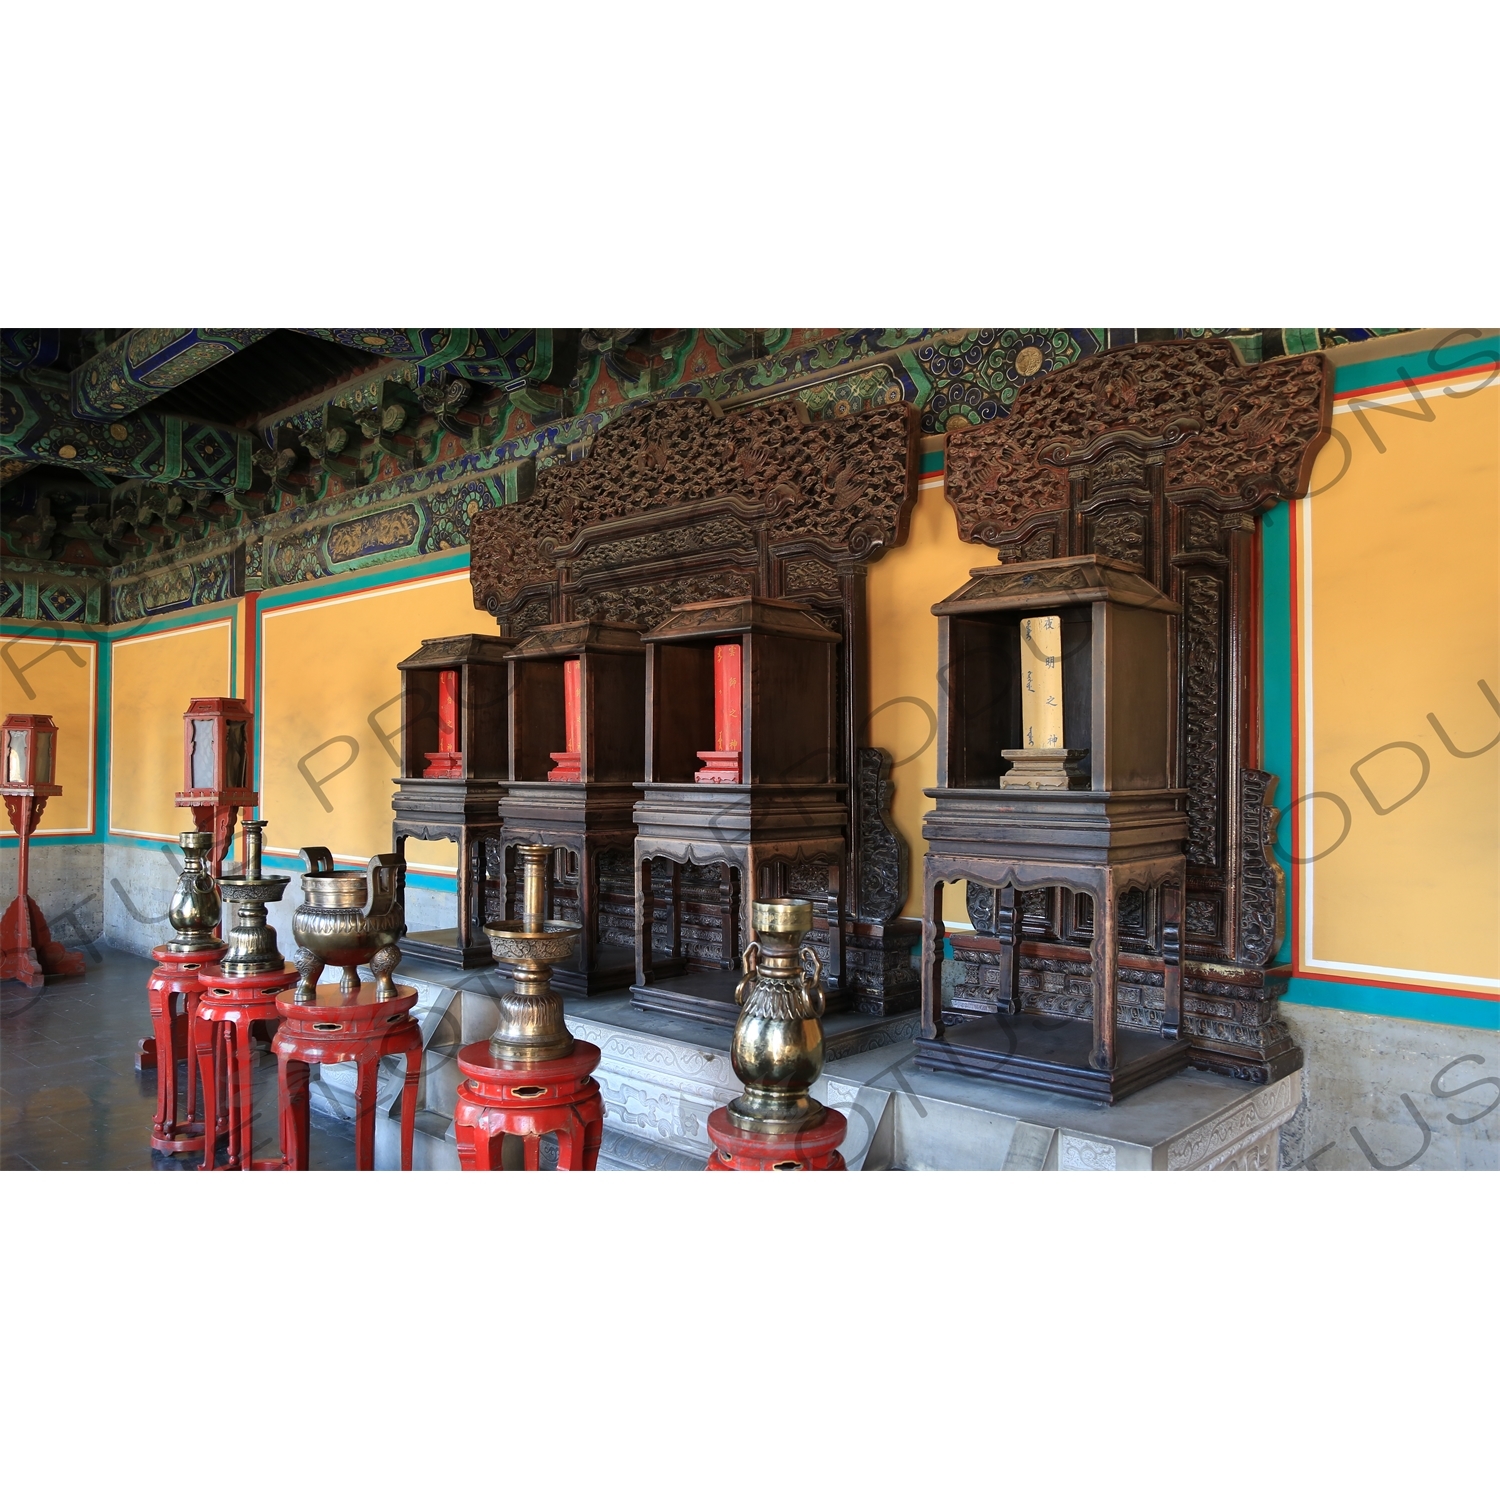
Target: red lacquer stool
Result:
[[341, 1028], [176, 977], [812, 1150], [228, 1006], [529, 1100]]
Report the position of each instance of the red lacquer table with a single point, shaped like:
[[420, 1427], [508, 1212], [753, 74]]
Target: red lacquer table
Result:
[[341, 1028], [812, 1150], [176, 977], [528, 1100], [228, 1006]]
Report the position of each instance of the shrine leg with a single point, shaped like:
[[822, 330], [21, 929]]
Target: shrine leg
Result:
[[1171, 955], [729, 947], [409, 1104], [531, 1147], [593, 1136], [1106, 959], [1008, 930], [292, 1080], [835, 914], [933, 937], [366, 1078], [645, 920], [206, 1056]]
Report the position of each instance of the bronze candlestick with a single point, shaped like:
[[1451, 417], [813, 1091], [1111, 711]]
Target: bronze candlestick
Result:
[[252, 940], [777, 1051], [531, 1026]]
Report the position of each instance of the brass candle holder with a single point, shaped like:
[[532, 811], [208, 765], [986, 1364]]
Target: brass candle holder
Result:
[[531, 1026], [252, 940], [194, 912], [777, 1051]]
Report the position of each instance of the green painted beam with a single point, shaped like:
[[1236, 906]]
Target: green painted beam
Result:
[[37, 425], [148, 361]]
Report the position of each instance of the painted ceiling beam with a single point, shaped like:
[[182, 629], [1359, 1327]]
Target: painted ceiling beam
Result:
[[148, 361], [37, 425], [496, 356]]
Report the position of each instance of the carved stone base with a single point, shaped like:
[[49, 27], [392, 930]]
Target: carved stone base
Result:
[[1056, 769]]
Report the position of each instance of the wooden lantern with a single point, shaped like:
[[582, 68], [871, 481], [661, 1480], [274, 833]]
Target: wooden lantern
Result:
[[756, 679], [1096, 813], [452, 762], [577, 753], [217, 769], [27, 781]]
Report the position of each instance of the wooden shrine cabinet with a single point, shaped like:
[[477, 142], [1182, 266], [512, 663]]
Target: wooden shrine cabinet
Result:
[[453, 764], [755, 507], [576, 751], [1081, 647], [744, 688], [1159, 456]]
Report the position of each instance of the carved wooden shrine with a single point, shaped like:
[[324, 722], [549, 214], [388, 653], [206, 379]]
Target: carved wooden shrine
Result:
[[678, 503], [781, 812], [1158, 455], [1110, 822], [577, 749], [453, 765], [218, 739]]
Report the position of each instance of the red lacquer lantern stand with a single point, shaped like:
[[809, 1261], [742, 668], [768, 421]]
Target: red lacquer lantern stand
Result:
[[498, 1099], [176, 977], [228, 1006], [27, 951], [813, 1150], [339, 1028]]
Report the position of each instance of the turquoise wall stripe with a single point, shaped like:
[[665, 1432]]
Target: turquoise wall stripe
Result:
[[1463, 355], [932, 463], [1405, 1005], [455, 561], [1276, 678]]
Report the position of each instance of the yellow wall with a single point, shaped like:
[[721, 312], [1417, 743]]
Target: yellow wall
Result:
[[327, 667], [43, 671], [1398, 572], [152, 677], [904, 585]]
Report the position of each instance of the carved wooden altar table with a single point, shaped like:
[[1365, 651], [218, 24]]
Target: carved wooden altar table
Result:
[[340, 1028]]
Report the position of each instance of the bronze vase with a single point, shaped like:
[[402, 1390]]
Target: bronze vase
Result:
[[777, 1051], [194, 912]]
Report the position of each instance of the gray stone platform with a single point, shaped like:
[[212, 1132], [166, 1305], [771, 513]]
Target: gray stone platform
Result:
[[662, 1077]]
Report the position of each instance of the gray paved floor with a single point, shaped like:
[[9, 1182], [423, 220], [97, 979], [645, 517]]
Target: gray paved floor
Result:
[[70, 1098]]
